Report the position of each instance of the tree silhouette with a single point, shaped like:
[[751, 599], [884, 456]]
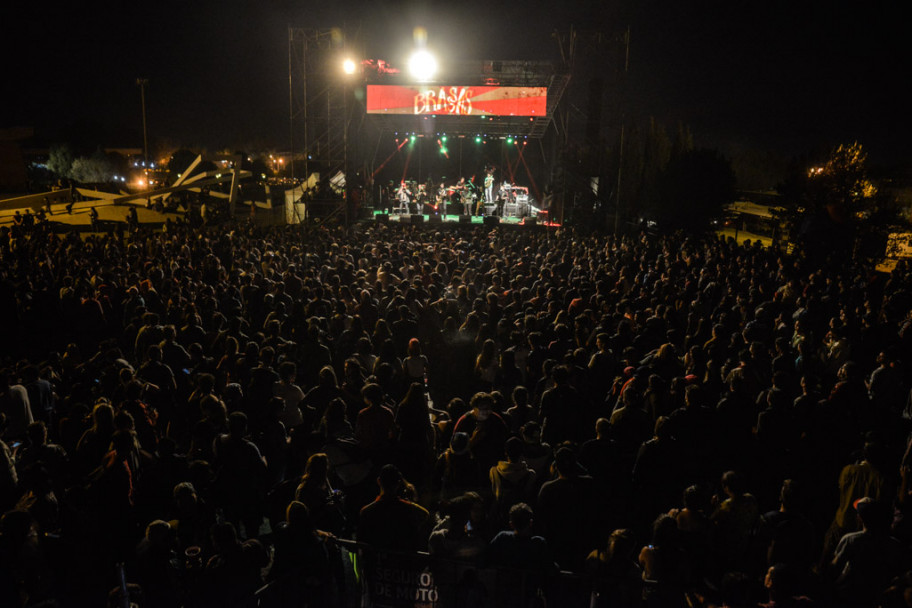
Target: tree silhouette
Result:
[[841, 185], [695, 187], [60, 160], [826, 203]]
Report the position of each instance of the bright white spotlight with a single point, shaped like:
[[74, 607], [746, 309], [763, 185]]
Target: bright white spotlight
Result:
[[422, 65], [348, 66]]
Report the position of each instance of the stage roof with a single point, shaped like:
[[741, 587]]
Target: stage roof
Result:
[[477, 73]]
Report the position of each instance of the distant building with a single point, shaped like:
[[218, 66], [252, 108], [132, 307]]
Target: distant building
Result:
[[755, 217], [13, 168]]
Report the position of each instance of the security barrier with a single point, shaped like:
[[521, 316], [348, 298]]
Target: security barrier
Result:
[[364, 577]]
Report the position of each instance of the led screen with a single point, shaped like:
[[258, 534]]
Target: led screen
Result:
[[456, 100]]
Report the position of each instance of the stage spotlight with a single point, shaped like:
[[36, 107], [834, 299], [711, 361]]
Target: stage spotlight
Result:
[[349, 67], [443, 139], [422, 65], [413, 139], [509, 140], [477, 140]]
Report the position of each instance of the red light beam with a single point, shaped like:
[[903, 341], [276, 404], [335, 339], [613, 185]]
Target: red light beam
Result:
[[389, 158]]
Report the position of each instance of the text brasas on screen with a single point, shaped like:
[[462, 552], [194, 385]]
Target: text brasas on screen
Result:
[[457, 100]]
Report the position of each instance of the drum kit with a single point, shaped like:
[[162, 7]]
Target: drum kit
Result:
[[515, 200], [458, 199], [468, 198]]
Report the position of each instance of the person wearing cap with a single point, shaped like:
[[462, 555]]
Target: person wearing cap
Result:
[[866, 561], [392, 522]]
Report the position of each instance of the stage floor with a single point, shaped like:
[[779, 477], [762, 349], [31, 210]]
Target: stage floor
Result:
[[473, 220]]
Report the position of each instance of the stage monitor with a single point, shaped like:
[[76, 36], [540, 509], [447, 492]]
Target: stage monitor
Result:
[[426, 100]]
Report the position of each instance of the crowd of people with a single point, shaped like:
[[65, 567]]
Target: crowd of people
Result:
[[678, 421]]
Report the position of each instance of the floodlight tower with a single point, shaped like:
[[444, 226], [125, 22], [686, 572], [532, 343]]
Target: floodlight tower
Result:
[[349, 69], [319, 68], [143, 82]]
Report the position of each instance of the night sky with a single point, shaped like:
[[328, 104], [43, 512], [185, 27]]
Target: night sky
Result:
[[781, 76]]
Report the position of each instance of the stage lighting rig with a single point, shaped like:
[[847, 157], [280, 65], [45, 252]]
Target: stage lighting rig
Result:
[[422, 65]]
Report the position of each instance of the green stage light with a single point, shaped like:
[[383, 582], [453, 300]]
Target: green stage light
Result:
[[443, 138], [413, 139], [477, 140], [509, 140]]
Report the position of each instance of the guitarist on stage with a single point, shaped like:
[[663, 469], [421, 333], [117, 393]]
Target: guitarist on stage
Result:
[[489, 187]]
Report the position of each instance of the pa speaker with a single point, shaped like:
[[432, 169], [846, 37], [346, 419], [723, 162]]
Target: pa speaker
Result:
[[465, 219], [405, 219], [529, 221], [417, 218], [435, 219], [491, 220], [365, 213], [382, 218]]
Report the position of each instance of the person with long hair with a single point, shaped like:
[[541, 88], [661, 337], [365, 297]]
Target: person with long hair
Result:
[[316, 492], [415, 365], [93, 445], [227, 367], [487, 366], [415, 435], [300, 569]]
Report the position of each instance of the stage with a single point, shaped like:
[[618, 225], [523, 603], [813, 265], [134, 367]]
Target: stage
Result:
[[462, 220]]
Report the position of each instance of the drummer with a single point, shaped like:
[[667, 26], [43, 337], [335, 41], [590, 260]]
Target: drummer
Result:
[[506, 192]]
